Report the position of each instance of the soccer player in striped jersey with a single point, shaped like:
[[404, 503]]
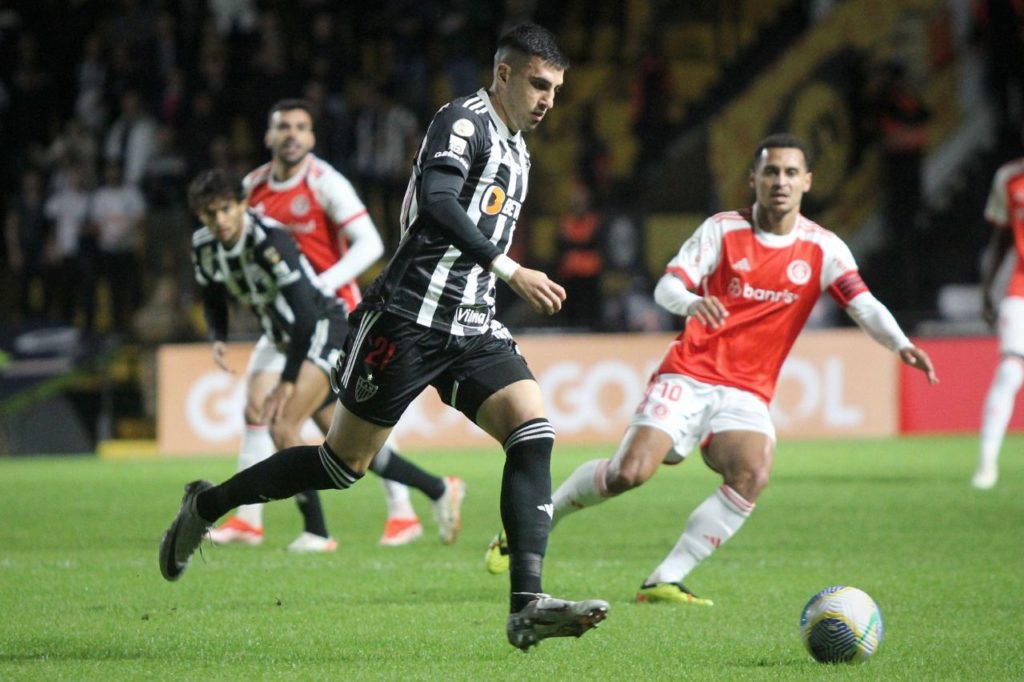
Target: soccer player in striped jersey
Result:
[[1005, 210], [428, 320], [319, 207], [747, 280], [240, 255]]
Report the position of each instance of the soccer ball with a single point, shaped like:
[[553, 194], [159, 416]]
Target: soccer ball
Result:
[[841, 624]]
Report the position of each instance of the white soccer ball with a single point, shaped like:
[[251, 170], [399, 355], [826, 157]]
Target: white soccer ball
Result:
[[841, 624]]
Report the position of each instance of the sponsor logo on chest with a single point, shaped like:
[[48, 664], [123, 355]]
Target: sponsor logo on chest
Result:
[[495, 202]]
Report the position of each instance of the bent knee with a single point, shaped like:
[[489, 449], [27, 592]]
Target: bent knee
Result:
[[749, 482], [620, 479]]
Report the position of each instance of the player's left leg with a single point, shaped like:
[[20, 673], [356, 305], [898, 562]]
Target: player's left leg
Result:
[[446, 494], [744, 460], [514, 415], [312, 389]]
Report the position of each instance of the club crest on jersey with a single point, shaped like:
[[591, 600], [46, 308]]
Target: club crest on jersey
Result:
[[799, 272], [300, 205], [365, 389], [463, 128], [272, 256]]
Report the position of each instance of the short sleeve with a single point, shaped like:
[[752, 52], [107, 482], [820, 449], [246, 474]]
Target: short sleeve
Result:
[[453, 138], [698, 256], [839, 273], [996, 211], [338, 197]]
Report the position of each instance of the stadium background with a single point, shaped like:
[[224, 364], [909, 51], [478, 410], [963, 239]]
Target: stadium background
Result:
[[653, 131]]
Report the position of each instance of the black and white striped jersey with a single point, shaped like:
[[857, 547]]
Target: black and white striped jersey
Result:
[[265, 271], [429, 280]]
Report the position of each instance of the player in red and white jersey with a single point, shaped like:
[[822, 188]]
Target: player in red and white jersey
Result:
[[1005, 210], [321, 210], [747, 280]]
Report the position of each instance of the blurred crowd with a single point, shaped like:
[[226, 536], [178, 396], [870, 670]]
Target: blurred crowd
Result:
[[103, 125]]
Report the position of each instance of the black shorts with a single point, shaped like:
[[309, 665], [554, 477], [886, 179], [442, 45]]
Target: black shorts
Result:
[[389, 360]]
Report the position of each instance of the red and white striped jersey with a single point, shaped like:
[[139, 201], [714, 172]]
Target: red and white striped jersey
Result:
[[314, 206], [769, 284], [1005, 209]]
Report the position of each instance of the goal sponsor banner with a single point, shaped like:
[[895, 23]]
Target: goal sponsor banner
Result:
[[836, 383]]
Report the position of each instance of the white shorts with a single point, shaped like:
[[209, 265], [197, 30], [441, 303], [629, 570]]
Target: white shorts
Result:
[[691, 411], [323, 352], [1011, 326], [265, 358]]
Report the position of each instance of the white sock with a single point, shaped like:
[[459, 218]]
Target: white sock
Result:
[[257, 445], [399, 506], [585, 487], [713, 522], [998, 408]]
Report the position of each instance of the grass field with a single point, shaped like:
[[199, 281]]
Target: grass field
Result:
[[82, 595]]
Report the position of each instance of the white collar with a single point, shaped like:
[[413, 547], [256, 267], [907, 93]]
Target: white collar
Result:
[[292, 182], [770, 239]]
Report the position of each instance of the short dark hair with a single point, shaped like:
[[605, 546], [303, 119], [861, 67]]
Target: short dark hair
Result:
[[289, 105], [531, 40], [211, 185], [784, 141]]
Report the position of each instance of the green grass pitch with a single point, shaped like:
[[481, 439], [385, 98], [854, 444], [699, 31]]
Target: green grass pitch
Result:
[[82, 597]]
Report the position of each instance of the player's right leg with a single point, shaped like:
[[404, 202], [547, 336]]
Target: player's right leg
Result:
[[311, 391], [245, 526], [995, 418]]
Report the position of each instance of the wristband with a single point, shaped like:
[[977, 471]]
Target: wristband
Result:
[[504, 267]]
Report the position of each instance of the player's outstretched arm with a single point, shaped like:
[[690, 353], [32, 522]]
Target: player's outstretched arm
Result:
[[875, 319]]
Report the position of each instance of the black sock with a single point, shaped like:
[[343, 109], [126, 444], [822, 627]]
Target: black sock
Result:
[[392, 466], [312, 513], [287, 473], [526, 504]]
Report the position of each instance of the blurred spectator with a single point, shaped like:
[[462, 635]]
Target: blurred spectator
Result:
[[902, 123], [30, 92], [68, 210], [233, 16], [131, 139], [332, 121], [1001, 28], [579, 259], [74, 148], [203, 123], [386, 139], [116, 214], [91, 77], [173, 102], [652, 103], [594, 160], [26, 232]]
